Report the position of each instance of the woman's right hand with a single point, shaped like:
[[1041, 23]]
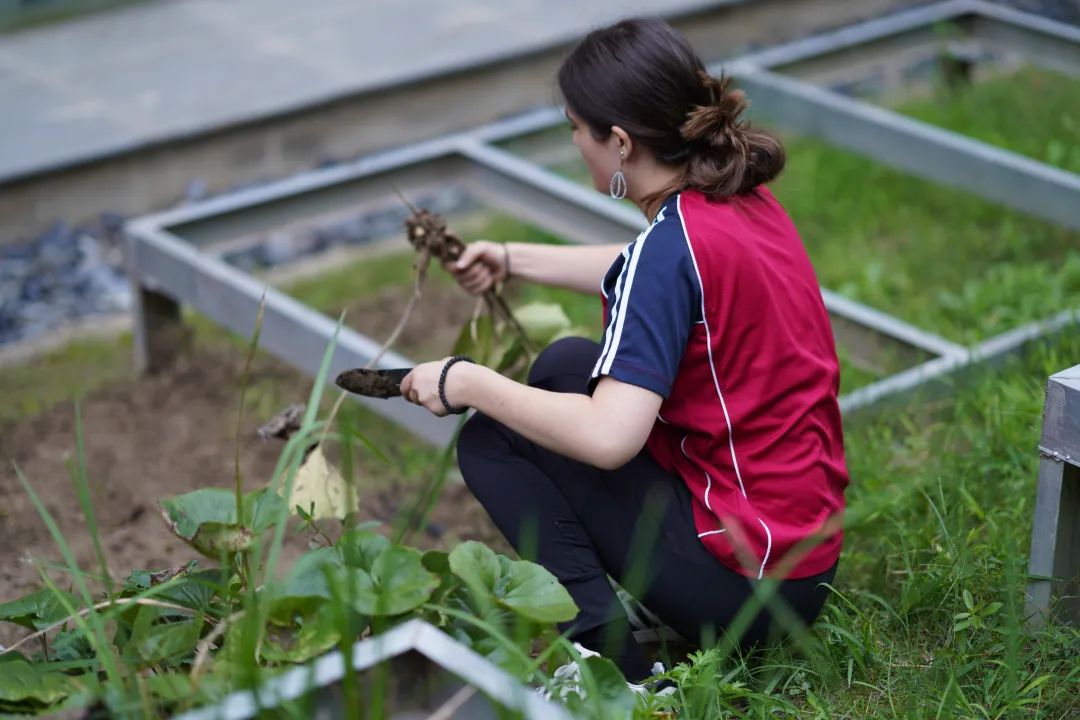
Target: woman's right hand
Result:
[[480, 267]]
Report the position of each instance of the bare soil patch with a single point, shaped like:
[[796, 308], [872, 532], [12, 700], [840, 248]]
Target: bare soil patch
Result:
[[147, 438]]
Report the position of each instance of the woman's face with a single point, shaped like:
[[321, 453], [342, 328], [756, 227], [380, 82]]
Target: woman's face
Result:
[[600, 156]]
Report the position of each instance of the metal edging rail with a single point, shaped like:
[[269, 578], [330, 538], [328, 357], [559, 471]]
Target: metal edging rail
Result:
[[411, 636]]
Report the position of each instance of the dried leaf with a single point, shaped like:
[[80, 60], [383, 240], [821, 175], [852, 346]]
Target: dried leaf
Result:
[[320, 490]]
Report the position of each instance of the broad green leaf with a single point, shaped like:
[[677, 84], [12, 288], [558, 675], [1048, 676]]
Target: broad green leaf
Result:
[[197, 591], [510, 354], [20, 681], [542, 321], [175, 686], [477, 565], [320, 490], [206, 519], [185, 514], [156, 636], [316, 635], [305, 588], [37, 610], [476, 339], [261, 509], [436, 561], [169, 687], [192, 589], [70, 645], [521, 586], [359, 548], [396, 584], [533, 592], [154, 642]]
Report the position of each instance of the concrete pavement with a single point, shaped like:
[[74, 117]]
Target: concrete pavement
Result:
[[146, 73]]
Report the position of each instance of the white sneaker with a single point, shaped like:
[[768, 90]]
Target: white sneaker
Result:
[[567, 679], [646, 689]]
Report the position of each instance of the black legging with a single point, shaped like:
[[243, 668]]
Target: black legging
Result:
[[580, 523]]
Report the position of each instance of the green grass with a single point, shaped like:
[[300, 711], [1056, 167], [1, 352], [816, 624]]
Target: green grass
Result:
[[31, 389], [939, 517], [941, 259], [1034, 112]]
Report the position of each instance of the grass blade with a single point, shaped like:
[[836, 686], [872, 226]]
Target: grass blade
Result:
[[81, 482], [93, 628], [245, 378]]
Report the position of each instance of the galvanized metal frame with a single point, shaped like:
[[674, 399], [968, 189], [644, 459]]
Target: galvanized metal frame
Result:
[[921, 149], [168, 268], [413, 636]]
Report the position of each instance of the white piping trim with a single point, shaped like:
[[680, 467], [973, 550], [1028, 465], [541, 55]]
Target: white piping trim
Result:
[[712, 532], [768, 549], [612, 311], [620, 320], [661, 419], [708, 489]]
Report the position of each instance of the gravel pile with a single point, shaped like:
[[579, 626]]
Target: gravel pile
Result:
[[72, 273]]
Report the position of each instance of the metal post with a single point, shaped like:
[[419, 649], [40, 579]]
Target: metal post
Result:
[[159, 334], [1054, 564]]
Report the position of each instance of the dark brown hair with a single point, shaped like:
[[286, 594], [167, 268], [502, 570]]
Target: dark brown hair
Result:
[[644, 77]]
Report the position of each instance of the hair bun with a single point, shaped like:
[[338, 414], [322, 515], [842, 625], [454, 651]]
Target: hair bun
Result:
[[727, 156], [717, 123]]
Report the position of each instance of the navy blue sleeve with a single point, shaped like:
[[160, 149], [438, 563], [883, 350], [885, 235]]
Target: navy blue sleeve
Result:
[[652, 303]]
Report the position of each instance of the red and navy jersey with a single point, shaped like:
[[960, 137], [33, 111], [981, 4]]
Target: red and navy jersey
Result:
[[716, 308]]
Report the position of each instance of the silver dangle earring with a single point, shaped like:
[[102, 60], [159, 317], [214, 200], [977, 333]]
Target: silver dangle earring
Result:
[[617, 186]]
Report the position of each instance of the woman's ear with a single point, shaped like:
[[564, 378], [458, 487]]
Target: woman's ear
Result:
[[622, 141]]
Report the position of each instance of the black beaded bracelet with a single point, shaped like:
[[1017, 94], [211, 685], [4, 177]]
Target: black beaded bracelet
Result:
[[442, 384]]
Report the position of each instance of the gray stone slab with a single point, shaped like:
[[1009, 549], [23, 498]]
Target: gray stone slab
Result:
[[151, 72]]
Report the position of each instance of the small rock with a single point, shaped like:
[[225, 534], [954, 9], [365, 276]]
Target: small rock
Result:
[[276, 249], [196, 190]]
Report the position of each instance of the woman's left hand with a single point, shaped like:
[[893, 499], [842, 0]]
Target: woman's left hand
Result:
[[421, 386]]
